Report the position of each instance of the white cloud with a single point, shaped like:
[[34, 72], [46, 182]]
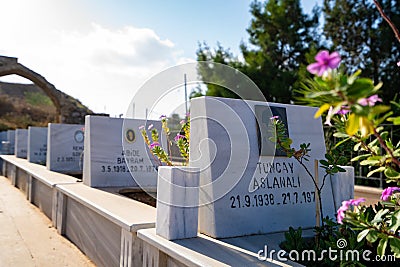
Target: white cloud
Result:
[[99, 65]]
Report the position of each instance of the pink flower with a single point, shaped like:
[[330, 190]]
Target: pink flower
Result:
[[154, 145], [345, 206], [163, 117], [141, 127], [398, 64], [343, 111], [274, 117], [150, 126], [388, 192], [324, 62], [178, 136], [182, 122], [356, 202], [370, 101]]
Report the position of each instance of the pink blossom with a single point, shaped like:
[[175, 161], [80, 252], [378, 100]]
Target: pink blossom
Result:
[[163, 117], [345, 206], [398, 64], [154, 145], [343, 111], [150, 126], [324, 62], [141, 127], [182, 122], [370, 101], [274, 118], [178, 136], [356, 202], [388, 192]]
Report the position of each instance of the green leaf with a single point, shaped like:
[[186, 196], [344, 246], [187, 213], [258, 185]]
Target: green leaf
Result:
[[391, 173], [324, 162], [379, 214], [378, 109], [357, 146], [340, 135], [395, 246], [322, 110], [352, 124], [395, 120], [382, 246], [362, 235], [371, 162], [341, 142], [380, 169], [361, 87], [329, 157], [340, 169], [383, 118], [372, 236], [389, 144], [360, 157], [395, 223], [353, 77]]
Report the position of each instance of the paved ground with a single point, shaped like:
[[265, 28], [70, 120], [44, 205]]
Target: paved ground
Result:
[[27, 237]]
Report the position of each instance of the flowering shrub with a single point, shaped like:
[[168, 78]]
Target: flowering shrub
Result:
[[351, 107], [351, 104], [181, 140], [330, 164]]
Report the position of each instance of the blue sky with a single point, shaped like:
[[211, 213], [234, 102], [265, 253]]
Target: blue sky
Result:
[[101, 51]]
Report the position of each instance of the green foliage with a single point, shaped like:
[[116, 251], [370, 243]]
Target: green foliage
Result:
[[350, 103], [37, 99], [280, 34], [154, 143], [208, 73], [365, 40], [326, 238], [379, 224]]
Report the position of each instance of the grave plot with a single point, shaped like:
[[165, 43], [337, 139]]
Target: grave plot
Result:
[[37, 144], [116, 155], [247, 187], [21, 143], [11, 140], [65, 147]]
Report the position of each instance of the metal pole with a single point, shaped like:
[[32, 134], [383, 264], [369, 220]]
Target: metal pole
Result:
[[186, 104]]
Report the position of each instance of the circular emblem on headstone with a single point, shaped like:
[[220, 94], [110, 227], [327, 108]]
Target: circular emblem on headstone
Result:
[[79, 136], [130, 135]]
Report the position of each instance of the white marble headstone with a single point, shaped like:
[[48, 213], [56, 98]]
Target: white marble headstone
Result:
[[21, 143], [3, 137], [245, 190], [11, 139], [115, 153], [65, 148], [37, 144]]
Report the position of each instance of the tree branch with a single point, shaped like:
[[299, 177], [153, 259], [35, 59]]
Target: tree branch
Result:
[[395, 30]]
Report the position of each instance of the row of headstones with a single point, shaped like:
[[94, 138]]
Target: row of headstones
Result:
[[109, 152], [18, 141], [253, 189]]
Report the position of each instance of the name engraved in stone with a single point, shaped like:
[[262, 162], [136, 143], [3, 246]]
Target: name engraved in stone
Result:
[[276, 182], [275, 167]]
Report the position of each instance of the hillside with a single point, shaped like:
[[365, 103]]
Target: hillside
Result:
[[23, 105]]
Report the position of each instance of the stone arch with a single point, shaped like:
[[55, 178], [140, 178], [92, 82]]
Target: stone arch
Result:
[[68, 110], [10, 65]]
